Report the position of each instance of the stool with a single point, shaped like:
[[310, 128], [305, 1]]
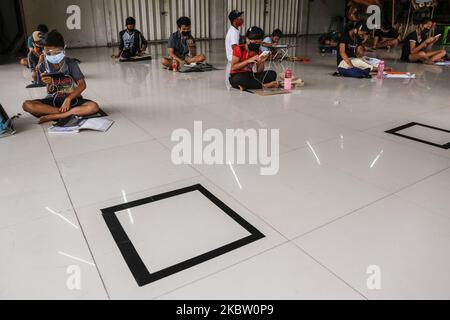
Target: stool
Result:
[[282, 51]]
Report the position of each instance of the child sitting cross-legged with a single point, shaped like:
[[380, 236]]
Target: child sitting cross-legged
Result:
[[65, 83], [248, 64]]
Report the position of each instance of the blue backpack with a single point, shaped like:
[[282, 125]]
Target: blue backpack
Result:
[[354, 73], [6, 125]]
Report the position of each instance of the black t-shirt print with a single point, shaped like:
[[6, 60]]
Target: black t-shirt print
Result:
[[406, 50], [132, 41], [67, 84], [351, 46]]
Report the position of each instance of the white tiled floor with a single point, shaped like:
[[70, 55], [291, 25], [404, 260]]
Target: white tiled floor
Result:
[[347, 196]]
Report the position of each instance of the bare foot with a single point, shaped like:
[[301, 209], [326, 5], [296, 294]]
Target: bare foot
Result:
[[271, 85], [241, 88], [44, 119]]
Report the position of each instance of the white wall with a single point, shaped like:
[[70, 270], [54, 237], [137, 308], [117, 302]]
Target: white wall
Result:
[[96, 18], [53, 14]]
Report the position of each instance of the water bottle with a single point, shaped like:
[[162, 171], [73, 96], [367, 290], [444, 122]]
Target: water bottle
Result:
[[288, 80], [174, 65], [380, 74]]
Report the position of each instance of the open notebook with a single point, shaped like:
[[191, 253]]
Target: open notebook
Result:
[[399, 75], [76, 124]]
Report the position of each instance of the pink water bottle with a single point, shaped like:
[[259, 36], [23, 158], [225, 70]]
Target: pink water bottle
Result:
[[380, 74], [288, 80]]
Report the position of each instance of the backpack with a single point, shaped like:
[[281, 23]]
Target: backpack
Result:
[[199, 67], [354, 73], [6, 124]]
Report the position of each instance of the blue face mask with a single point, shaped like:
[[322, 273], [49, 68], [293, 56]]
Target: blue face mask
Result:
[[56, 59]]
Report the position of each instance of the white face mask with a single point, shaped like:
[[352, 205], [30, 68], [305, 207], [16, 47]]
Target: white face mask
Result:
[[56, 59]]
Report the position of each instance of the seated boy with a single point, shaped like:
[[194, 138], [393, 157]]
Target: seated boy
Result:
[[329, 39], [270, 42], [35, 56], [42, 28], [351, 51], [418, 48], [386, 37], [181, 46], [247, 66], [64, 90], [132, 42]]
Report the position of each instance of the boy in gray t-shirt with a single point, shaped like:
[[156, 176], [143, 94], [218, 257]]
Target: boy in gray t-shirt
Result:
[[181, 46], [65, 83]]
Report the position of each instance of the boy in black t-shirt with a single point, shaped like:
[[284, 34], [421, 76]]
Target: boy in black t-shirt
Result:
[[181, 46], [351, 53], [351, 48], [386, 37], [65, 84], [132, 42], [417, 47]]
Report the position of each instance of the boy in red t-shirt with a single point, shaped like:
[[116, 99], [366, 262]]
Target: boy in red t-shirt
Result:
[[247, 65]]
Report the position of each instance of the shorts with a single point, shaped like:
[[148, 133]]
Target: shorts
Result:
[[128, 53], [180, 57], [58, 101]]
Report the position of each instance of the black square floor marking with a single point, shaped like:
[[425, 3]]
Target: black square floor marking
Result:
[[412, 124], [136, 265]]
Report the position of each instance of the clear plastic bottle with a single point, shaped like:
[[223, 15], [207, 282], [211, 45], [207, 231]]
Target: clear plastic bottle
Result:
[[288, 80], [380, 74]]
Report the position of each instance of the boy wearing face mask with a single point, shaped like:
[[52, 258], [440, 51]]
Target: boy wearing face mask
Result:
[[181, 46], [64, 89], [247, 65], [351, 51], [34, 56], [132, 42], [42, 28], [417, 45], [233, 38]]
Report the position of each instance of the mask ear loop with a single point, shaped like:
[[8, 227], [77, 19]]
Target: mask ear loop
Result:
[[51, 87]]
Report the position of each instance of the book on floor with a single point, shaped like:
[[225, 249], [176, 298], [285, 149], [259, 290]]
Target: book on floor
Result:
[[77, 124], [399, 75]]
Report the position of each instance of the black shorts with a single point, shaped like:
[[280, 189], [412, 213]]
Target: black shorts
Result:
[[57, 102]]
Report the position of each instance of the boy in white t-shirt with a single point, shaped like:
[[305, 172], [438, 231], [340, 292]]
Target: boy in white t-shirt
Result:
[[233, 37]]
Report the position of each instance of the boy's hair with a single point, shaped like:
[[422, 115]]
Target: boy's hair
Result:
[[255, 33], [184, 21], [361, 26], [386, 24], [42, 28], [130, 21], [54, 39], [425, 20], [277, 33]]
